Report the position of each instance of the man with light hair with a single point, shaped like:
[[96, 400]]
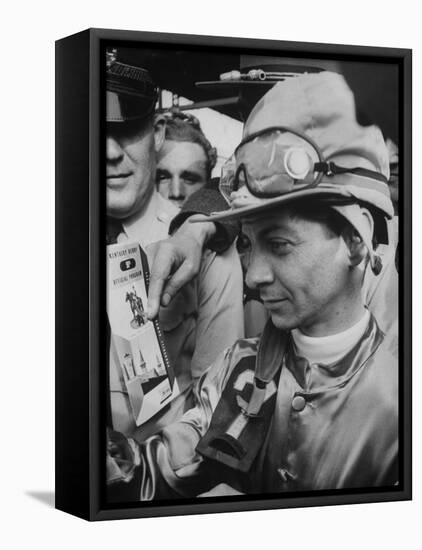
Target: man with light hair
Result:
[[186, 158], [313, 403]]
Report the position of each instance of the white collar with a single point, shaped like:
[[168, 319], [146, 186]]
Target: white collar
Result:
[[152, 223], [326, 350]]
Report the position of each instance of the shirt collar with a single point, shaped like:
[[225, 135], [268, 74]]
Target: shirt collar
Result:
[[329, 349], [152, 223], [316, 378]]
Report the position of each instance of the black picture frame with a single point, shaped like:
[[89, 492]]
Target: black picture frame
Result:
[[80, 278]]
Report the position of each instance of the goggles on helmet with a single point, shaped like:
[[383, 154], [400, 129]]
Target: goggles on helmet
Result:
[[276, 161]]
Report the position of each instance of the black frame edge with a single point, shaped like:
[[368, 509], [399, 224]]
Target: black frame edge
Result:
[[248, 506], [72, 292], [90, 438], [315, 48], [97, 278], [405, 239]]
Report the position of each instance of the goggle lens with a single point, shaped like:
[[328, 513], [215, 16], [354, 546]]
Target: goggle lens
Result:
[[270, 164]]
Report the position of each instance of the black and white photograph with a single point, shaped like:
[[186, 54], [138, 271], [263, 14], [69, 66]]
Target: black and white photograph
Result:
[[264, 192], [217, 211]]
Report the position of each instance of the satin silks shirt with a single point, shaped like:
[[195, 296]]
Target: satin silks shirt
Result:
[[321, 427]]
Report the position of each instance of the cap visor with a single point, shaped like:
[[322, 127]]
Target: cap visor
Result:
[[271, 203], [124, 107]]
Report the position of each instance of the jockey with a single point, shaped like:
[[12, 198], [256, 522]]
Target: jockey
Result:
[[313, 403]]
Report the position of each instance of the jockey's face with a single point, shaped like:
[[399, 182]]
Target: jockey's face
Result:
[[301, 269]]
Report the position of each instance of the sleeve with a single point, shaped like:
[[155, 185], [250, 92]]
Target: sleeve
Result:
[[205, 201], [220, 308], [167, 465]]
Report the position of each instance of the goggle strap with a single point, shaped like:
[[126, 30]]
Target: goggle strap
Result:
[[329, 168]]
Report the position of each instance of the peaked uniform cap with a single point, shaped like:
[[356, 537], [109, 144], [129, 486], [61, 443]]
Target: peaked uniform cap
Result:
[[131, 92]]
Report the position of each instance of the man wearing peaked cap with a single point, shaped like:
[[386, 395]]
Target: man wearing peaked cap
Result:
[[207, 315], [313, 403]]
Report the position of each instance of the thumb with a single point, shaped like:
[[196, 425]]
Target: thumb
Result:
[[161, 266]]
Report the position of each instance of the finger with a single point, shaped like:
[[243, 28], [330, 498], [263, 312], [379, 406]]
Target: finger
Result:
[[183, 275], [151, 251], [160, 271]]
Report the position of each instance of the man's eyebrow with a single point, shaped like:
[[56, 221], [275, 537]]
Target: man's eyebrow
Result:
[[265, 231], [190, 173], [270, 229], [162, 171]]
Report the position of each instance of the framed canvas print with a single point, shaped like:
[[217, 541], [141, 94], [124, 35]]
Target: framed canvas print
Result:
[[233, 274]]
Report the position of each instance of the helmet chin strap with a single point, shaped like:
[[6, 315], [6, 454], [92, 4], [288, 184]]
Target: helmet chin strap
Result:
[[361, 219]]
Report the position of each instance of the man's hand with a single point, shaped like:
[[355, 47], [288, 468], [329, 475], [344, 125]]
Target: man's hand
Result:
[[175, 261], [122, 457]]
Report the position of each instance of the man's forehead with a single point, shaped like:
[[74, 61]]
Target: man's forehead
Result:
[[183, 151], [182, 158], [266, 220]]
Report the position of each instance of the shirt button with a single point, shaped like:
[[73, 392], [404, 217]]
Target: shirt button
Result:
[[298, 403], [163, 216]]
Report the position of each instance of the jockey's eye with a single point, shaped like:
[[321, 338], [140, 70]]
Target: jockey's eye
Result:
[[243, 243]]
